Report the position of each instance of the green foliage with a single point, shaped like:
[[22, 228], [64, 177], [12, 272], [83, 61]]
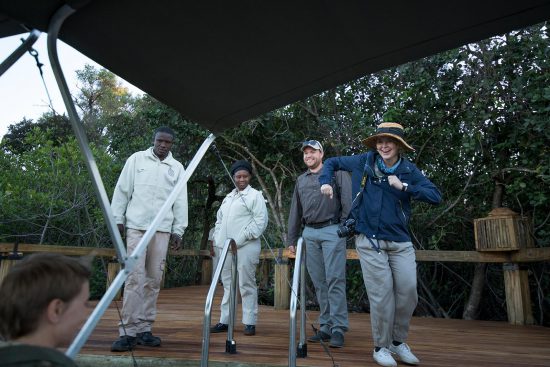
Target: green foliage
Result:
[[47, 197]]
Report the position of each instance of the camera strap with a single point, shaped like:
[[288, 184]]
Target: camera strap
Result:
[[357, 200], [337, 188]]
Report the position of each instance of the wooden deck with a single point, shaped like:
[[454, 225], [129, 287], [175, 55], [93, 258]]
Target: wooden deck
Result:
[[437, 342]]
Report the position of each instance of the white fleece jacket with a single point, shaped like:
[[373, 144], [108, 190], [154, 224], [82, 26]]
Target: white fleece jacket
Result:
[[242, 216]]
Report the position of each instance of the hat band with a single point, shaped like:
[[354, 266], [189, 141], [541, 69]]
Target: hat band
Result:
[[390, 130]]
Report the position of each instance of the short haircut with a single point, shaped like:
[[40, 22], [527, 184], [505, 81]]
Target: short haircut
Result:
[[32, 284], [164, 129]]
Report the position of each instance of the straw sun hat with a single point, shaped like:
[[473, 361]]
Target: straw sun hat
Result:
[[389, 129]]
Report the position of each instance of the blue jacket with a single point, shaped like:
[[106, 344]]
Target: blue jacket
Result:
[[384, 211]]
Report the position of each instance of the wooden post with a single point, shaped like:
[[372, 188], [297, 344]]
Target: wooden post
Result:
[[113, 268], [206, 271], [5, 266], [263, 273], [518, 297], [7, 262], [282, 285]]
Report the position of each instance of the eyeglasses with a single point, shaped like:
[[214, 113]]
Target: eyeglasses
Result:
[[313, 144]]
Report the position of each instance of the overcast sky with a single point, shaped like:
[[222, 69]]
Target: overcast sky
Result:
[[22, 92]]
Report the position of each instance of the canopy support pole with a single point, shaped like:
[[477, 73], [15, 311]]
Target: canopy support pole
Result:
[[53, 30], [128, 261], [19, 51]]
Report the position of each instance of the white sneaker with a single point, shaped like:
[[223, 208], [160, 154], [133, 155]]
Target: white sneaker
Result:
[[383, 358], [404, 353]]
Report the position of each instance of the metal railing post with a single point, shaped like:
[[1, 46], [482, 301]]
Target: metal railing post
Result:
[[296, 277], [210, 297], [230, 344], [302, 345]]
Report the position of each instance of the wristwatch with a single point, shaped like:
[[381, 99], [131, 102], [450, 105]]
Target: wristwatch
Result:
[[405, 186]]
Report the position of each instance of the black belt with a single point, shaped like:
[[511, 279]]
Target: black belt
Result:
[[322, 224]]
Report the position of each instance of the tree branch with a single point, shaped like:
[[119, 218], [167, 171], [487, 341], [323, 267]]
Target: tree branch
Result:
[[455, 201]]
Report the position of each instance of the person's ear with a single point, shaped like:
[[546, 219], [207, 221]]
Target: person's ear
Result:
[[55, 310]]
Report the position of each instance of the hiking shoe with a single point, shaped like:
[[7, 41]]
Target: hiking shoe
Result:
[[336, 340], [124, 344], [383, 358], [404, 353], [320, 336], [148, 339], [250, 330], [218, 328]]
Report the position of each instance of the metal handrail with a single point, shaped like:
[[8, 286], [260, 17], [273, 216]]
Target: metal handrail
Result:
[[230, 345], [298, 279]]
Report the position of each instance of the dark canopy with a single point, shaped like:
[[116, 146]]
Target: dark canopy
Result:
[[222, 62]]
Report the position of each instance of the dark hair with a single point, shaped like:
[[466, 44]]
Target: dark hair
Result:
[[164, 129], [32, 284]]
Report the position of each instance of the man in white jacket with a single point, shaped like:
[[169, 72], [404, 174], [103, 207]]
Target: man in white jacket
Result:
[[146, 181]]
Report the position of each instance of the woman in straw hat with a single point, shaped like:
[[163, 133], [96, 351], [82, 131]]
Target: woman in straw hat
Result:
[[387, 182]]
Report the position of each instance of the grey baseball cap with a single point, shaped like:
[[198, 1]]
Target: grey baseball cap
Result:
[[312, 144]]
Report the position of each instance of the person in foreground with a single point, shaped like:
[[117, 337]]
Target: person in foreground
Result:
[[146, 181], [43, 304], [242, 216], [326, 252], [382, 238]]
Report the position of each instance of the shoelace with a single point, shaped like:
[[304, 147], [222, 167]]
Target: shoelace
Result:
[[404, 347]]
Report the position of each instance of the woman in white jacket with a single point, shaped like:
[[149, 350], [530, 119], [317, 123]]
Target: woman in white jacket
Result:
[[243, 217]]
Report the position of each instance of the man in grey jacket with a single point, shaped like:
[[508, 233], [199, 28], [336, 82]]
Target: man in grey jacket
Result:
[[319, 217], [146, 181]]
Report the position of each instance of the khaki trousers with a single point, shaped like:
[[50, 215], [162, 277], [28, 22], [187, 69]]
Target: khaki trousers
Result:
[[141, 290], [390, 279]]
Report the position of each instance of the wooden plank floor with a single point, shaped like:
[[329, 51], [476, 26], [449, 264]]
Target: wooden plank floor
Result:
[[437, 342]]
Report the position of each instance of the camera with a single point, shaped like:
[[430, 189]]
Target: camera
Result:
[[346, 229]]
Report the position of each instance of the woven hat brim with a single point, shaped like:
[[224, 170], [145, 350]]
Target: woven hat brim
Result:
[[371, 141]]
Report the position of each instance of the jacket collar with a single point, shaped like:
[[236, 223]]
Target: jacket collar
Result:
[[169, 160], [244, 192], [404, 167]]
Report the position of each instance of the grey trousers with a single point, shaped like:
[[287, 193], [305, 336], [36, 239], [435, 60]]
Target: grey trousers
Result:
[[390, 279], [248, 257], [326, 265], [141, 290]]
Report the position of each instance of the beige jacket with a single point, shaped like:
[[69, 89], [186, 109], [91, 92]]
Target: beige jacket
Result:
[[242, 216], [142, 188]]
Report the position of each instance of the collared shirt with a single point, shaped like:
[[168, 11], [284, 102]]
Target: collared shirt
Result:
[[142, 188], [310, 206]]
